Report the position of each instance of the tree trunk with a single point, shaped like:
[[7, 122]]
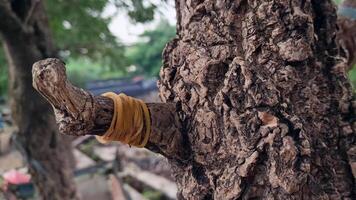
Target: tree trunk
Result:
[[257, 102], [265, 101], [26, 38]]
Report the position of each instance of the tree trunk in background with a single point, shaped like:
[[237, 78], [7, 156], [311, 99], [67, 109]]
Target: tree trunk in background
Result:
[[264, 99], [47, 152]]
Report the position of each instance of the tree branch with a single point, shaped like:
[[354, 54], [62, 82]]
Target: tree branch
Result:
[[9, 23], [80, 113]]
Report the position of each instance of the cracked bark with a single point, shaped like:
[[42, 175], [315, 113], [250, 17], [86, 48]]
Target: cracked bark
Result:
[[47, 153], [80, 113], [235, 62], [257, 104]]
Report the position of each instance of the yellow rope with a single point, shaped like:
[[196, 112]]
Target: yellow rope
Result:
[[131, 122]]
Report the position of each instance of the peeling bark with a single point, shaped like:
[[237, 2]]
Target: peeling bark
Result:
[[265, 101]]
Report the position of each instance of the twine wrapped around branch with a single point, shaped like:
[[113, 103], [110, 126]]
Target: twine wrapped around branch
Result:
[[131, 122]]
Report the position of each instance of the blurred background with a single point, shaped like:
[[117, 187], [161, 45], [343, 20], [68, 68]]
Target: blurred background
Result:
[[107, 45], [103, 39]]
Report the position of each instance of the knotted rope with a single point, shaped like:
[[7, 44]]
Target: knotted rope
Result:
[[131, 122]]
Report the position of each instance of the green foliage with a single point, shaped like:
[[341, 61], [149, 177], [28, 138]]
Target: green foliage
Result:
[[3, 80], [146, 55], [352, 76], [338, 1], [153, 195], [3, 73], [81, 33], [141, 13], [82, 70], [80, 30]]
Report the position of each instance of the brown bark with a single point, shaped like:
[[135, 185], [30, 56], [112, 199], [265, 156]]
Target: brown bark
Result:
[[260, 89], [26, 39], [80, 113], [265, 100]]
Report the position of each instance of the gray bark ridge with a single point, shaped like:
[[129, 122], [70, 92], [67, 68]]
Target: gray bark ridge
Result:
[[264, 99]]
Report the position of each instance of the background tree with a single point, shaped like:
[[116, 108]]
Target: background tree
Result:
[[3, 74], [257, 102], [26, 38], [80, 30]]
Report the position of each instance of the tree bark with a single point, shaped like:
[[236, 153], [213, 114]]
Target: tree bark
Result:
[[80, 113], [265, 99], [26, 38], [264, 107]]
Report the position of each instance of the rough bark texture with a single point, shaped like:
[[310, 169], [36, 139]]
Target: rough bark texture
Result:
[[26, 38], [80, 113], [264, 99], [257, 102]]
